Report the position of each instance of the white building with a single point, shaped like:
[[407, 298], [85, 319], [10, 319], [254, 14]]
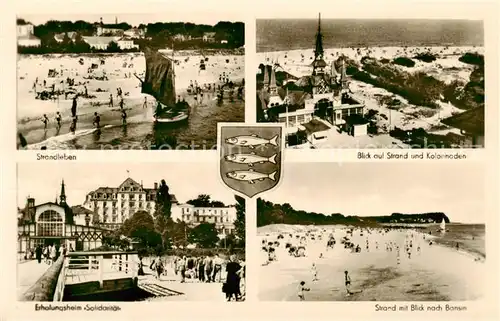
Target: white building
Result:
[[126, 43], [209, 37], [135, 33], [113, 205], [106, 31], [25, 37], [102, 43], [222, 217]]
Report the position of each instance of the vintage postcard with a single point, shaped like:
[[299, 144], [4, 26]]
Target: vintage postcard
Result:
[[321, 160], [128, 232], [365, 83], [126, 81]]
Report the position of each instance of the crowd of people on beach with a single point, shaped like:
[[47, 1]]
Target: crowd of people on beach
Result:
[[308, 244], [229, 272]]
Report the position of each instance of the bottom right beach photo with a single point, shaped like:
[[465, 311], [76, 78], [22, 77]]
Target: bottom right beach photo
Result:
[[374, 232]]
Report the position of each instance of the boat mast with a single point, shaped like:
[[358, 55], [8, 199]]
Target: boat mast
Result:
[[173, 71]]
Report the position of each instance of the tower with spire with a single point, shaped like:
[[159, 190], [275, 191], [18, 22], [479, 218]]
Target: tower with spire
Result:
[[266, 79], [273, 87], [62, 196], [319, 63]]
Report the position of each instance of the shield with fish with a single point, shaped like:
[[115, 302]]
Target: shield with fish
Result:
[[251, 156]]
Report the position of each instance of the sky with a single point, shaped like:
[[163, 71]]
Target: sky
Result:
[[132, 19], [186, 180], [455, 188]]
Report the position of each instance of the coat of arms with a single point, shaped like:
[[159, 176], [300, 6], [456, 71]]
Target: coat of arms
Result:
[[251, 156]]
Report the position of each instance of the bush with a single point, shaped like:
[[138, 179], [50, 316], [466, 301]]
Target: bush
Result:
[[403, 61], [472, 59], [425, 57]]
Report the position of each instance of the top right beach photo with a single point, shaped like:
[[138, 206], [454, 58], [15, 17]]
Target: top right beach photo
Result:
[[373, 83]]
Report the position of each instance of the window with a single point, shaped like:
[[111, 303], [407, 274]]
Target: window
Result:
[[50, 223]]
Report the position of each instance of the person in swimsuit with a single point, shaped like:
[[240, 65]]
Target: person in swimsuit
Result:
[[302, 288], [314, 271], [45, 121], [58, 119], [97, 120], [124, 117], [347, 283]]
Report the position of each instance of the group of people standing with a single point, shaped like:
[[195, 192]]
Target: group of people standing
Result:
[[49, 253], [206, 269]]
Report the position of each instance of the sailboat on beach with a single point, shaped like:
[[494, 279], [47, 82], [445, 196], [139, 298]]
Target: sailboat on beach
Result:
[[160, 83], [442, 226]]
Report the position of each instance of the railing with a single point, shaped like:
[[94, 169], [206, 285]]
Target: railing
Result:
[[100, 265]]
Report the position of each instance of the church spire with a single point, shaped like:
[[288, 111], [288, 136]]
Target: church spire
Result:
[[272, 85], [266, 78], [318, 52], [62, 197]]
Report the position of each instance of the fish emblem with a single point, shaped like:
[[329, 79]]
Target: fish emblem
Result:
[[251, 141], [250, 176], [250, 159]]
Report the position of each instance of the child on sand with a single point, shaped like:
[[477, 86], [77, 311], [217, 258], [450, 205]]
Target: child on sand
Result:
[[302, 289], [314, 271], [347, 283]]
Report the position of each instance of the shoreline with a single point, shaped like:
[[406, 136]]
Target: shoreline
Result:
[[423, 46], [429, 275], [189, 52]]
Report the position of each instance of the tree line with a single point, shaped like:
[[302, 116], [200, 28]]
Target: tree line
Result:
[[271, 213], [158, 35]]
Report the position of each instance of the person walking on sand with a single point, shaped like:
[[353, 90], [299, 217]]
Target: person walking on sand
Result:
[[314, 271], [97, 120], [58, 119], [347, 283], [124, 117], [45, 121], [145, 104], [73, 107], [110, 104], [302, 288]]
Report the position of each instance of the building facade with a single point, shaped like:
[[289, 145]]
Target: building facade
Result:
[[26, 37], [113, 205], [54, 223], [222, 217], [102, 43]]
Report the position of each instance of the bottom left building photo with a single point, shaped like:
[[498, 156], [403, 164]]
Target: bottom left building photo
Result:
[[128, 232]]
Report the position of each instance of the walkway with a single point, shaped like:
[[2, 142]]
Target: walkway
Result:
[[28, 272]]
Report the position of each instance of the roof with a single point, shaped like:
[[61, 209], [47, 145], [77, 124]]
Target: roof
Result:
[[471, 121], [80, 210], [315, 126], [319, 63]]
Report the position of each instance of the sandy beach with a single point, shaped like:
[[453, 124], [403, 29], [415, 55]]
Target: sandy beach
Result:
[[433, 273], [446, 68], [120, 71]]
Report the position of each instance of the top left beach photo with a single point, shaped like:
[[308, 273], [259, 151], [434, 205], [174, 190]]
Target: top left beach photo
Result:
[[127, 81]]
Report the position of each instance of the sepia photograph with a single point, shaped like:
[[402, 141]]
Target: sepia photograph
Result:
[[128, 232], [378, 232], [127, 81], [372, 83]]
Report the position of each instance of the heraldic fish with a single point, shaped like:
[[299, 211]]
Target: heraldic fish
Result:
[[250, 176], [251, 140], [250, 159]]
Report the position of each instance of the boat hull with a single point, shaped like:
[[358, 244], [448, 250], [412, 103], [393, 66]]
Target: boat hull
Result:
[[171, 120]]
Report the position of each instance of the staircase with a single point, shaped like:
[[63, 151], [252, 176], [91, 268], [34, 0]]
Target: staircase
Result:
[[157, 290]]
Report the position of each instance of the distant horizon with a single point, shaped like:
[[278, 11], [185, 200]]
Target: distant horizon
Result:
[[132, 19], [379, 189], [382, 215], [299, 34]]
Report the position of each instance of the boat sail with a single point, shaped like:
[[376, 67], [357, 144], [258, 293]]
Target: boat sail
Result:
[[442, 226], [159, 82]]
